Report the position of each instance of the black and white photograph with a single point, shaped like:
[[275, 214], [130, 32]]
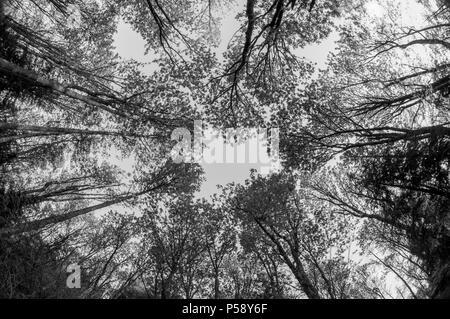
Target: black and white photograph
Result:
[[225, 155]]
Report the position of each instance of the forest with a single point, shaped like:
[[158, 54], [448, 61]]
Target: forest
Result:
[[93, 205]]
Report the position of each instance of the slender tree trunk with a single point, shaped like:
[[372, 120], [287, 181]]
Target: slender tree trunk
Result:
[[61, 131], [295, 266], [35, 79], [2, 11], [38, 224], [163, 288], [216, 285], [307, 287]]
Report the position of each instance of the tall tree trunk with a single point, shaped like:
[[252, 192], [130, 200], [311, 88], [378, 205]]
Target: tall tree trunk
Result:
[[2, 11], [295, 266], [216, 285], [163, 288], [38, 224], [307, 287], [44, 130], [13, 70]]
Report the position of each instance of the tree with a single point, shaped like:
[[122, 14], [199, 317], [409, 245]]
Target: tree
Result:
[[303, 235]]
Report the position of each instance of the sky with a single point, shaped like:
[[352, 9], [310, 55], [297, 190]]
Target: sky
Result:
[[130, 45]]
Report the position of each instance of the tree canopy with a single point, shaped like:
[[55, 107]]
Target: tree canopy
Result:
[[359, 207]]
